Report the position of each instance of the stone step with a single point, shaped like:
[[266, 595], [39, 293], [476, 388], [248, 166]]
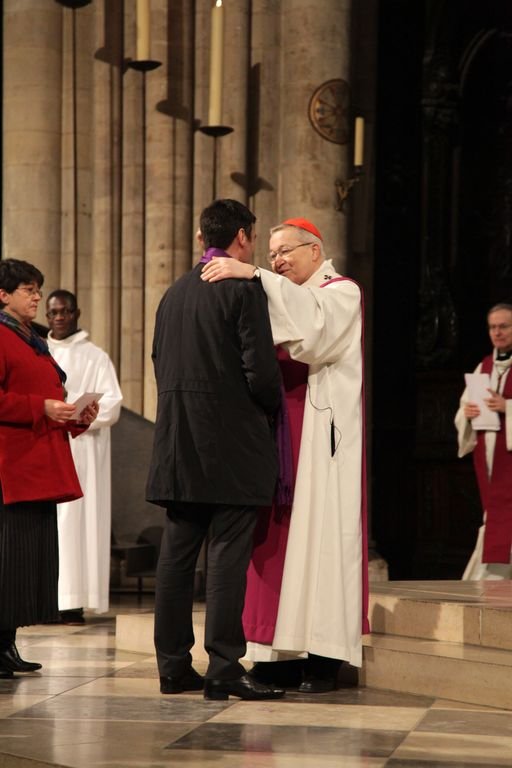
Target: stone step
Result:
[[473, 613], [462, 672], [447, 639], [450, 670], [443, 611], [443, 639], [134, 632]]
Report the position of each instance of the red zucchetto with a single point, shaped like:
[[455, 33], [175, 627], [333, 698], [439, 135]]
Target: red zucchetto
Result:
[[304, 224]]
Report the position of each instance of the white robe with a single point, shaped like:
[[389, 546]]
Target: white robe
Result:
[[320, 607], [84, 525], [476, 570]]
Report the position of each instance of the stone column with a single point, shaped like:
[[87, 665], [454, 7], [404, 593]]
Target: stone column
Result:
[[32, 134], [360, 263], [170, 114], [156, 250], [131, 268], [232, 170], [78, 112], [91, 171], [308, 163], [264, 160], [202, 158], [104, 286]]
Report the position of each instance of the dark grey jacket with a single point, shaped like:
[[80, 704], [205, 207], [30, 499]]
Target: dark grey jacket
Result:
[[218, 386]]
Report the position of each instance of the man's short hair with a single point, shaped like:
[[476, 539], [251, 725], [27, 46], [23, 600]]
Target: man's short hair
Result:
[[221, 220], [64, 295], [14, 272], [497, 307]]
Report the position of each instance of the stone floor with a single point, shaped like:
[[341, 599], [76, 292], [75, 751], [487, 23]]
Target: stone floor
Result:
[[93, 705]]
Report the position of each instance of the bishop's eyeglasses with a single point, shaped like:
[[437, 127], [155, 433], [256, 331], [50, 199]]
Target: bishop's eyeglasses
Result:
[[284, 251]]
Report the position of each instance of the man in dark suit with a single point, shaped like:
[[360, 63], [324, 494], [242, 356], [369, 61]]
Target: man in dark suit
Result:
[[214, 458]]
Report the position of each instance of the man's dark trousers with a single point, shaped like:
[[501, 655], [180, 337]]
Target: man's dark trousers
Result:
[[230, 540]]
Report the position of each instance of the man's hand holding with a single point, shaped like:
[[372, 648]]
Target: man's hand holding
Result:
[[496, 402], [471, 411]]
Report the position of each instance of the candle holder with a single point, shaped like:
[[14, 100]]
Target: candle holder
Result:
[[215, 131], [74, 3], [343, 187], [144, 66]]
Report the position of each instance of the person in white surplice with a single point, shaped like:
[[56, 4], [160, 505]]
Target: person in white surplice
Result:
[[320, 586], [84, 525], [492, 453]]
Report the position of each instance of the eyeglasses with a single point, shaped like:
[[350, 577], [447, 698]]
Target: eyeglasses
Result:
[[500, 327], [30, 291], [284, 251], [65, 312]]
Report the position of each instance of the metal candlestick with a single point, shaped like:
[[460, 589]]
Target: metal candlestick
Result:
[[216, 131], [74, 5], [144, 66]]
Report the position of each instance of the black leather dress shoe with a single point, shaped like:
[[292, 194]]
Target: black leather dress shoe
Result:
[[73, 617], [244, 687], [280, 674], [190, 681], [11, 661], [317, 685]]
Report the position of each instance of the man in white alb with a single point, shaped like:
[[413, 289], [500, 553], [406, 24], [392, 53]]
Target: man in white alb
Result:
[[84, 525]]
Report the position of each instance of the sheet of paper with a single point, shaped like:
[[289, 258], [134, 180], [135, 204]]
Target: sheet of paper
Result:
[[84, 400], [478, 385]]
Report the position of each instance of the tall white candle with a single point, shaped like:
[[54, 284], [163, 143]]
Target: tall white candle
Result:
[[216, 61], [359, 141], [143, 26]]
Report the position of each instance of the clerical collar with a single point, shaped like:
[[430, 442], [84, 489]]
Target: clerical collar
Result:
[[504, 355], [211, 253]]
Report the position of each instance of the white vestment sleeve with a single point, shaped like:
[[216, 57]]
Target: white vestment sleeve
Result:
[[466, 435], [314, 324]]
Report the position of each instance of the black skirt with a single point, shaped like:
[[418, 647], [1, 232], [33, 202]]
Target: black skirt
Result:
[[29, 564]]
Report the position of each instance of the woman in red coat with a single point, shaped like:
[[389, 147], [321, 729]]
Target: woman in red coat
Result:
[[36, 467]]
